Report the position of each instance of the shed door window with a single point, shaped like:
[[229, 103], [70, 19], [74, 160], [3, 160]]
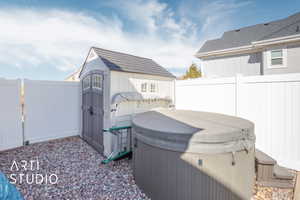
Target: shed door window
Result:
[[86, 83], [97, 81], [152, 87], [144, 87]]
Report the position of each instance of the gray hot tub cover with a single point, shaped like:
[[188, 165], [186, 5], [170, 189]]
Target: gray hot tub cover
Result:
[[195, 132]]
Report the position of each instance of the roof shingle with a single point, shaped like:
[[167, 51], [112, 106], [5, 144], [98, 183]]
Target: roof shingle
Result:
[[244, 36], [129, 63]]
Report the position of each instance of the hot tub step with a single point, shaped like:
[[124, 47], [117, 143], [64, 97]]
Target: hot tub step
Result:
[[264, 166], [282, 173], [277, 183], [263, 158], [269, 174]]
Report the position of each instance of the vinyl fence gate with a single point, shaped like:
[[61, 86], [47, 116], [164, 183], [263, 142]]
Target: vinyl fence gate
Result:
[[51, 110]]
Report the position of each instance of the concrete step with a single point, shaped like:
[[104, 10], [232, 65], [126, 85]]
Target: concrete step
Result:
[[262, 158], [282, 173]]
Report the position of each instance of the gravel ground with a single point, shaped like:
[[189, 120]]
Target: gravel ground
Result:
[[81, 174], [269, 193], [78, 168]]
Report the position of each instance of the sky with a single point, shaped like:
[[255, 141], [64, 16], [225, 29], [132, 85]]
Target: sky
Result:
[[49, 39]]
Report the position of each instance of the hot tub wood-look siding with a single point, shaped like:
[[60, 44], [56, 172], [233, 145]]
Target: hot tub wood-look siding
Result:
[[164, 175]]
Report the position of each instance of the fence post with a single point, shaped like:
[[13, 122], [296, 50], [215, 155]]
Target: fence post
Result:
[[238, 92], [10, 114]]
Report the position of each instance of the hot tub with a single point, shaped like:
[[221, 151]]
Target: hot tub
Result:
[[188, 155]]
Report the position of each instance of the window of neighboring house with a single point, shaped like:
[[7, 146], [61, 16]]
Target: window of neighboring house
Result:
[[152, 87], [97, 81], [144, 87], [86, 84], [277, 58]]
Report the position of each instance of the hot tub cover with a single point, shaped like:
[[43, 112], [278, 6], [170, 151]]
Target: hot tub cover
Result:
[[192, 131]]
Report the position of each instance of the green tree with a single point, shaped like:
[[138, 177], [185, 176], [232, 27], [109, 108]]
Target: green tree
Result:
[[192, 72]]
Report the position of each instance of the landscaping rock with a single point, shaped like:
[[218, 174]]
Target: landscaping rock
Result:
[[81, 176], [78, 168]]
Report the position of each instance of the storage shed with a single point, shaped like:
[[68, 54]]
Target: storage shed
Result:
[[181, 154], [115, 86]]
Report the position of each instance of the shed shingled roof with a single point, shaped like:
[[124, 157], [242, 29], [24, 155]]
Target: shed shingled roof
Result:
[[118, 61], [244, 36]]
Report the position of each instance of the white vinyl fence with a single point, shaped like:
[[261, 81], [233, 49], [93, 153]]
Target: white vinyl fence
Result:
[[10, 114], [52, 110], [272, 102]]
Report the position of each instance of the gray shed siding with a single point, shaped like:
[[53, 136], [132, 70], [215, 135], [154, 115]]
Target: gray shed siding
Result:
[[228, 66], [293, 61]]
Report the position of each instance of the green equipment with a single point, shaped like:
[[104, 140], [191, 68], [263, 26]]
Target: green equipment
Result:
[[123, 143]]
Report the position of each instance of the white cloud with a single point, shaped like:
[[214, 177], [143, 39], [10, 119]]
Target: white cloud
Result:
[[60, 38], [222, 11], [214, 16], [35, 38]]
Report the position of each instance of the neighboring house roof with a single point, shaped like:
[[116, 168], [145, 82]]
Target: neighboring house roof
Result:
[[246, 36], [129, 63]]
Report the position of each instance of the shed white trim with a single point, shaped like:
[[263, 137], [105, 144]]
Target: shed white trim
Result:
[[134, 96]]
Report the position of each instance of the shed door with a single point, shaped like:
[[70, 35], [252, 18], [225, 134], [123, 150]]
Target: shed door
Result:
[[92, 105]]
